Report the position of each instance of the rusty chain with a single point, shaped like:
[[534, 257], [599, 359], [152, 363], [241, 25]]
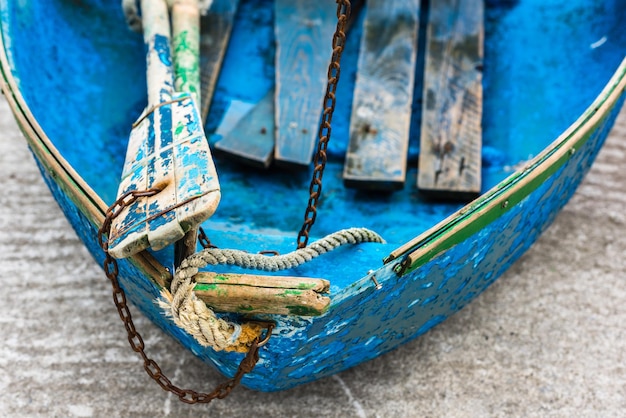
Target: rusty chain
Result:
[[204, 240], [319, 161], [111, 268], [135, 340]]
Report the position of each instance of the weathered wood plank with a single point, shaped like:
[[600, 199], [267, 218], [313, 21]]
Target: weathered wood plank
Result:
[[186, 45], [215, 29], [451, 135], [251, 140], [304, 31], [175, 159], [381, 111], [244, 293], [167, 150], [278, 282]]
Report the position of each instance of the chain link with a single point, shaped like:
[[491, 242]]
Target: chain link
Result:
[[319, 161], [204, 240], [135, 340], [111, 268]]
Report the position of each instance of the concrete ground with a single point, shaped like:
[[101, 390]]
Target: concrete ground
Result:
[[547, 339]]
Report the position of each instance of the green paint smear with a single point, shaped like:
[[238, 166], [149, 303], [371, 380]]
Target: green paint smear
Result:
[[306, 286], [186, 63], [303, 311], [179, 129], [292, 292], [205, 287]]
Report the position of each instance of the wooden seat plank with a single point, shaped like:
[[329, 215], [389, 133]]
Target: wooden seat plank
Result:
[[304, 31], [381, 112], [215, 29], [451, 132], [251, 140]]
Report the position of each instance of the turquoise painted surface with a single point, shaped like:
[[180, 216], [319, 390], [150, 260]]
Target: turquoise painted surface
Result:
[[532, 94], [102, 115], [371, 322]]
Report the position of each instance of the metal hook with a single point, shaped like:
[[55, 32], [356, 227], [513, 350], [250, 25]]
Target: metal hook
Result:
[[269, 326]]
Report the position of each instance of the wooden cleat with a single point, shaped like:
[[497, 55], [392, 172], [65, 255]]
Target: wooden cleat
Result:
[[254, 294]]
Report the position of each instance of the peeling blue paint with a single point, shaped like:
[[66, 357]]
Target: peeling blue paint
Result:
[[531, 95], [162, 47]]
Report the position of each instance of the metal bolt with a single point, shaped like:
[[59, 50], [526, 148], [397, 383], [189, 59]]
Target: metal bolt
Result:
[[376, 283]]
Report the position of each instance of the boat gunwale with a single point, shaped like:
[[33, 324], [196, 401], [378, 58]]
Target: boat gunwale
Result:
[[514, 188], [63, 174], [450, 231]]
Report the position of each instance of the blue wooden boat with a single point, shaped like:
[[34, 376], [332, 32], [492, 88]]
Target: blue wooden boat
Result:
[[554, 77]]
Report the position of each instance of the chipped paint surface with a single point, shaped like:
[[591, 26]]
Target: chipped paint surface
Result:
[[362, 322], [167, 149]]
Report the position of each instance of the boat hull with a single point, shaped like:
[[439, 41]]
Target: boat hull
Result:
[[364, 327], [421, 283]]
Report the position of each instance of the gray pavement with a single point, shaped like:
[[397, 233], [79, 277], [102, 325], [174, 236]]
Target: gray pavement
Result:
[[547, 339]]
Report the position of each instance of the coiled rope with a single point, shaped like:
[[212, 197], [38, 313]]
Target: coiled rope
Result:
[[191, 314]]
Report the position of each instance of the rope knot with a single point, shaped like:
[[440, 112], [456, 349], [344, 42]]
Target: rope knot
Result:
[[194, 316]]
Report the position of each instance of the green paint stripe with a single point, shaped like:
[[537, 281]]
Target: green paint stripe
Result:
[[476, 217]]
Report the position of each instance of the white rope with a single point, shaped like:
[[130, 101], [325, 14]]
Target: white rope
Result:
[[215, 256], [191, 314]]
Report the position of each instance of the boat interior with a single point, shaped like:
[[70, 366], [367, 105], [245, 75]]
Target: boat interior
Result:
[[544, 64]]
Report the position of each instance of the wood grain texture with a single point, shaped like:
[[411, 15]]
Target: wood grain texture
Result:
[[167, 149], [253, 294], [251, 140], [451, 134], [381, 112], [215, 29], [545, 338], [304, 31], [186, 46]]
